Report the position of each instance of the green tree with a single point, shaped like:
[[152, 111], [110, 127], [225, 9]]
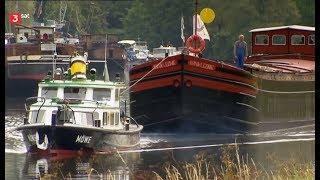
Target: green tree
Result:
[[237, 18], [158, 22], [82, 17], [307, 11]]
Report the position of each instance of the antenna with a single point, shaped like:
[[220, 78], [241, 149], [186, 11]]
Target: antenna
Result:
[[54, 63], [106, 74]]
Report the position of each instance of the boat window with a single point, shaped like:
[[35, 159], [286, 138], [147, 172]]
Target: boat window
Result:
[[101, 94], [87, 118], [297, 40], [49, 92], [65, 115], [74, 93], [311, 39], [95, 116], [33, 116], [111, 118], [159, 51], [262, 40], [117, 95], [278, 40], [105, 118], [117, 118]]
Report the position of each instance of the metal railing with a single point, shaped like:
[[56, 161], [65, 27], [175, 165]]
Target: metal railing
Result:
[[27, 107]]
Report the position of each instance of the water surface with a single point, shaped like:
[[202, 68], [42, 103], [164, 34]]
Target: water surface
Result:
[[155, 151]]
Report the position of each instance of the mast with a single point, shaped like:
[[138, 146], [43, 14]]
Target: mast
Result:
[[196, 22], [196, 18], [106, 73]]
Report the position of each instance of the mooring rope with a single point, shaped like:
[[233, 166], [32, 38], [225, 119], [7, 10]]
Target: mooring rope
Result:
[[218, 145], [285, 92], [124, 162], [144, 76]]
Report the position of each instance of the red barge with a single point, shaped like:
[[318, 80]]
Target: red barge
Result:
[[189, 93], [184, 93]]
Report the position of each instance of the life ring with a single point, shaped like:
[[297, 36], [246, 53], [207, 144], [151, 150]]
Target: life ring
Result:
[[192, 44]]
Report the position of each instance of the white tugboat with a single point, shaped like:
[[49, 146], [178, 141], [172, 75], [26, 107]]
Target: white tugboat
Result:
[[73, 113]]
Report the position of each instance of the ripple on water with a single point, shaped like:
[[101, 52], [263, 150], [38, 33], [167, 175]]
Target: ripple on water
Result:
[[13, 139]]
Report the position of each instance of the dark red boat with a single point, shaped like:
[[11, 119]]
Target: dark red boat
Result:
[[188, 93], [193, 94]]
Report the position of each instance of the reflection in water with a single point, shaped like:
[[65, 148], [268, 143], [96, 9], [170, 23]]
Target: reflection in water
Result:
[[142, 164], [94, 166]]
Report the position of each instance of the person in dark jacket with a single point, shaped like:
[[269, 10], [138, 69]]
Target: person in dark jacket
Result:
[[240, 51]]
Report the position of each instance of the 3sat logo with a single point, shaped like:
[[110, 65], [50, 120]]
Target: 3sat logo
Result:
[[15, 18]]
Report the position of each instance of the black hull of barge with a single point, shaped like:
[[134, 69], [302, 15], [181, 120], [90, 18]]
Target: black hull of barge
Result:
[[197, 110], [188, 94], [194, 109]]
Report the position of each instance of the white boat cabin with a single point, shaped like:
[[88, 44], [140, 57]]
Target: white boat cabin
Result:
[[78, 103], [162, 52]]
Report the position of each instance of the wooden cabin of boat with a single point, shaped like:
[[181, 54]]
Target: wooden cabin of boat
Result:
[[294, 42]]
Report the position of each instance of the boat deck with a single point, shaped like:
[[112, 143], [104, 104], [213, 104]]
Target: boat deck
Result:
[[283, 65]]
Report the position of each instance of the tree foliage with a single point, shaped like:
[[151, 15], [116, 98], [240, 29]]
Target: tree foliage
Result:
[[158, 22], [25, 7]]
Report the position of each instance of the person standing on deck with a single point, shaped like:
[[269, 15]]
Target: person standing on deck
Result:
[[240, 51]]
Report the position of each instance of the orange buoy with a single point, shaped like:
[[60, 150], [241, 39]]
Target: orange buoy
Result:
[[195, 44]]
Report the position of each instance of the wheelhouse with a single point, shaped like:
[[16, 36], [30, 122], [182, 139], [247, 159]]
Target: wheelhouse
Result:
[[81, 103], [284, 40]]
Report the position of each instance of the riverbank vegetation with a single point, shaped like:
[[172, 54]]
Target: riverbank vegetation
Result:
[[235, 166]]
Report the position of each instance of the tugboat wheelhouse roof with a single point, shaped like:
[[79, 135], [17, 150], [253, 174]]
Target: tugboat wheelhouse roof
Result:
[[84, 84]]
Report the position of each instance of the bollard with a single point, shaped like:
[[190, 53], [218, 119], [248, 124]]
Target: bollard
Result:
[[25, 120], [127, 125]]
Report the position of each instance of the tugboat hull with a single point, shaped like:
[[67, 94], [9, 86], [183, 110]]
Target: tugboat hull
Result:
[[45, 138]]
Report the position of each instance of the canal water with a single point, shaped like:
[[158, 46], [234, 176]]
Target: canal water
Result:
[[156, 150]]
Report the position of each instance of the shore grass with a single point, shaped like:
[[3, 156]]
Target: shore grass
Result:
[[233, 166], [227, 163]]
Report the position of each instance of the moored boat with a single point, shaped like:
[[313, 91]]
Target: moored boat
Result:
[[283, 59], [31, 51], [186, 93], [73, 113], [191, 94]]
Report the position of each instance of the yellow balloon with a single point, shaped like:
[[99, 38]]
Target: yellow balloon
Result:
[[207, 15]]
